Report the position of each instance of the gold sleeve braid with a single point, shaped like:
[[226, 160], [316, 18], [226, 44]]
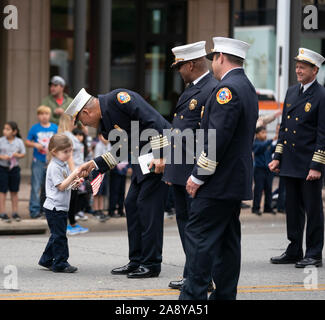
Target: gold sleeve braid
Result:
[[206, 163], [319, 157], [110, 160], [279, 148], [159, 142]]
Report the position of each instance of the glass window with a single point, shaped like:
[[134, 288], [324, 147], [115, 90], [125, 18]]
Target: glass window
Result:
[[123, 72], [254, 12], [62, 14], [124, 16]]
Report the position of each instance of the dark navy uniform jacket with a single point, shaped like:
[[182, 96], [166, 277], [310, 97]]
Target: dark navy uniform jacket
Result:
[[232, 113], [118, 109], [301, 144], [189, 110]]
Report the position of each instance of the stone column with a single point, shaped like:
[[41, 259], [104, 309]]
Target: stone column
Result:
[[25, 73], [80, 41], [104, 46], [211, 16]]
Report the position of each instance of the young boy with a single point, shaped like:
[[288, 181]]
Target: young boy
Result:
[[263, 177], [38, 138]]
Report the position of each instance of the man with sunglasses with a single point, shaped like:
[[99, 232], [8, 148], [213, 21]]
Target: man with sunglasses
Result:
[[191, 64]]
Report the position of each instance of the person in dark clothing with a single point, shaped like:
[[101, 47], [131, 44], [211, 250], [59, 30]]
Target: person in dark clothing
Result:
[[263, 177]]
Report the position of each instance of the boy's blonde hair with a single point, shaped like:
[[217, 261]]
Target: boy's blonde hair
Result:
[[65, 123], [44, 109]]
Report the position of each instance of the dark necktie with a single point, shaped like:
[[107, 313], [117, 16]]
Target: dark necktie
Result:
[[301, 90]]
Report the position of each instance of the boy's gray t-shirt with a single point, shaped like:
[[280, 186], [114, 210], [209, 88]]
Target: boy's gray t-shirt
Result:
[[9, 148], [57, 172]]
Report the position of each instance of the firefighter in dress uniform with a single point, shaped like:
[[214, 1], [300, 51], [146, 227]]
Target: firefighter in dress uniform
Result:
[[300, 158], [190, 62]]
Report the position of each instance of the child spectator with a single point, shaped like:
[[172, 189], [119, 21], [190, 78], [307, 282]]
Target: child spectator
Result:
[[38, 138], [263, 177], [12, 149], [66, 125], [56, 206], [117, 180], [102, 146], [84, 190]]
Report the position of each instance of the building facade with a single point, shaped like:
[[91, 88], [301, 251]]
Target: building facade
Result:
[[106, 44]]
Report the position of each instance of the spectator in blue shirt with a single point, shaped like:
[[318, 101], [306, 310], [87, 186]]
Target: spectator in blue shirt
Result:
[[263, 177], [38, 138]]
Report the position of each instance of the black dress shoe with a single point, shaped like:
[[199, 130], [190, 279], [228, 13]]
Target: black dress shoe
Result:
[[176, 284], [306, 262], [125, 269], [269, 211], [285, 259], [143, 272], [256, 211]]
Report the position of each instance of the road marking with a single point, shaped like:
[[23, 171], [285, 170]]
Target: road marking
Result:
[[146, 293]]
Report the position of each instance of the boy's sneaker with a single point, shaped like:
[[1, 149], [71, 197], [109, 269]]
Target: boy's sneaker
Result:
[[5, 218], [81, 229], [101, 216], [81, 216], [72, 231], [16, 217], [69, 269]]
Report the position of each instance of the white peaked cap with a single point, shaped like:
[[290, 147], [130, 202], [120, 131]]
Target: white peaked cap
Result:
[[306, 55], [78, 103], [231, 46], [189, 52]]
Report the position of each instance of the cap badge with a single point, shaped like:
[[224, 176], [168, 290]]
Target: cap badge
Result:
[[192, 104], [307, 107], [224, 96], [123, 97]]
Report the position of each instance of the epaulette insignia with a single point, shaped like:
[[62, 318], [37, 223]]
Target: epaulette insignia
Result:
[[224, 96], [123, 97]]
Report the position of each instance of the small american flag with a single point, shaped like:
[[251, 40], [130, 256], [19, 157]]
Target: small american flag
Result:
[[96, 183]]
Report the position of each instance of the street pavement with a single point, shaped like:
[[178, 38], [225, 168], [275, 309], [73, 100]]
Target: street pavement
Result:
[[97, 252], [106, 247]]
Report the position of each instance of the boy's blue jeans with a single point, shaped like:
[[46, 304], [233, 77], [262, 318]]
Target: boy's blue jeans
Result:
[[37, 179], [56, 253]]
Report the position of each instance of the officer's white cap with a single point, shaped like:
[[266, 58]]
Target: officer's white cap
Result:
[[306, 55], [78, 103], [189, 52], [231, 46]]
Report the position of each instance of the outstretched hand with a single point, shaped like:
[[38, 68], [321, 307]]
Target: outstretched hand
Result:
[[86, 169]]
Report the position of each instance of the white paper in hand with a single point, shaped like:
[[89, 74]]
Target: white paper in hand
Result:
[[144, 161]]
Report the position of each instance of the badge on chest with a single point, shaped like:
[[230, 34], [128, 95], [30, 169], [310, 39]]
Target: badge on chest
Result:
[[307, 107], [192, 105]]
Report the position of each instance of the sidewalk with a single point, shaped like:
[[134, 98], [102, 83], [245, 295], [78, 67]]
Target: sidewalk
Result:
[[117, 224]]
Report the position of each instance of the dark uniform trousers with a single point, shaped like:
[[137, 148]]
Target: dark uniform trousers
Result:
[[213, 246], [145, 202], [304, 198], [189, 113], [144, 207], [182, 205], [226, 167]]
